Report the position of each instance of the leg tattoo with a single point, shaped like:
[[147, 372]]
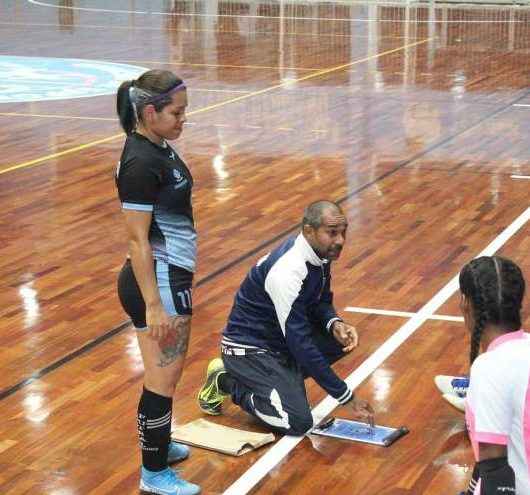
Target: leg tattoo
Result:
[[176, 343]]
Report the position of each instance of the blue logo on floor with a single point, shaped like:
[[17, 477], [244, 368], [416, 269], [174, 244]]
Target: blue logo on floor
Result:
[[40, 79]]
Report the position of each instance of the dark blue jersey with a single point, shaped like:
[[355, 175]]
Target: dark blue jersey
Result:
[[280, 298]]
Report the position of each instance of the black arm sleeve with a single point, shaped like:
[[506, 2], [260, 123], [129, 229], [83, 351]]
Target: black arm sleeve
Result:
[[497, 477]]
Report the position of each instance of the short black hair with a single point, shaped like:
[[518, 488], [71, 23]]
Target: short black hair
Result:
[[313, 213]]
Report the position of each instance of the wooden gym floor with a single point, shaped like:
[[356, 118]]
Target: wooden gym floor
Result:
[[415, 118]]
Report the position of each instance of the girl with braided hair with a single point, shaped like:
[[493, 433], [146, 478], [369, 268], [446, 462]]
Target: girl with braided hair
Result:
[[498, 399], [154, 186]]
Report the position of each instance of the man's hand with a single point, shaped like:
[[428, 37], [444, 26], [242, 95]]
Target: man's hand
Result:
[[345, 334], [363, 410]]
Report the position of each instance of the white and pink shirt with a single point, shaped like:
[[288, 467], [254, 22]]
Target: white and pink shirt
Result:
[[498, 402]]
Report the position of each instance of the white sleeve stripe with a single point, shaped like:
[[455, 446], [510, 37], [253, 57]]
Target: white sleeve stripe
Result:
[[330, 322], [345, 397], [136, 206], [284, 282]]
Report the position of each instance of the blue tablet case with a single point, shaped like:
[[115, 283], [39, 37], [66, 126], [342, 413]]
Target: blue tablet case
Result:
[[359, 432]]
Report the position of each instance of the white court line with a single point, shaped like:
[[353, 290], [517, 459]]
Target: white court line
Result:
[[520, 105], [520, 176], [278, 451], [401, 314], [287, 18]]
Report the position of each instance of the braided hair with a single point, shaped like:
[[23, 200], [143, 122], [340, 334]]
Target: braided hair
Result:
[[495, 286]]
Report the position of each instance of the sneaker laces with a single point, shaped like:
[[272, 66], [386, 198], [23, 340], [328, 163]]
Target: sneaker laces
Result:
[[213, 391], [209, 392]]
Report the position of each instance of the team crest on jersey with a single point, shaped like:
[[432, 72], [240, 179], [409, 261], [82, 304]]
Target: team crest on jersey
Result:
[[178, 175]]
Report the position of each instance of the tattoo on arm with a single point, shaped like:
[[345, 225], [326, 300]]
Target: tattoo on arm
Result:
[[176, 343]]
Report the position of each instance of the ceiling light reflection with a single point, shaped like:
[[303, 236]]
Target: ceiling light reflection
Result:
[[133, 352], [34, 407], [219, 167], [381, 382], [31, 305]]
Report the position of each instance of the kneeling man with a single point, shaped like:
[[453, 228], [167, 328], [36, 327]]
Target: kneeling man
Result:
[[283, 328]]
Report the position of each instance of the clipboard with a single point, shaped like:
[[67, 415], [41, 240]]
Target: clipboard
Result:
[[356, 431]]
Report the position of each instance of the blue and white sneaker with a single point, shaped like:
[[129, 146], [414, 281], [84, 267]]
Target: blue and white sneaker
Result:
[[166, 482], [452, 385], [177, 452]]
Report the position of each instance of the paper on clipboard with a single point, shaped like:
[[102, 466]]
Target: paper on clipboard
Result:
[[360, 432]]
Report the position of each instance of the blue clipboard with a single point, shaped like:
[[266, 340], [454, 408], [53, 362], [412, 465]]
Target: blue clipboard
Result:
[[359, 432]]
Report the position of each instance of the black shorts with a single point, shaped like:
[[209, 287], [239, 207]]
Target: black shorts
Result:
[[174, 284]]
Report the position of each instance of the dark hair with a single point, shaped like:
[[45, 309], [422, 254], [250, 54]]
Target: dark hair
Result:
[[495, 286], [150, 84], [313, 212]]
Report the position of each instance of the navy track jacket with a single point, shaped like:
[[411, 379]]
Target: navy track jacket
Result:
[[275, 305]]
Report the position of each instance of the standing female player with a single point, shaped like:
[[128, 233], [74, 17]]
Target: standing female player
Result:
[[498, 399], [154, 285]]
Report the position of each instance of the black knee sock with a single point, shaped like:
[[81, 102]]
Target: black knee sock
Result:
[[154, 429], [225, 382]]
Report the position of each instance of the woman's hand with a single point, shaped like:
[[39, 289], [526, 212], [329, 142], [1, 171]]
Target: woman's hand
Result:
[[158, 322]]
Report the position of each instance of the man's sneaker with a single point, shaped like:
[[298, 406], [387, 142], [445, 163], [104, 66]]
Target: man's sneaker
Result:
[[455, 385], [177, 452], [455, 401], [210, 396], [166, 482]]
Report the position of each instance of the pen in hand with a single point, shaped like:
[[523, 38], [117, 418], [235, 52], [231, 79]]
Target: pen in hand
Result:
[[371, 427]]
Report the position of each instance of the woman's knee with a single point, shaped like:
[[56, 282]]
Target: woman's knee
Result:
[[164, 359]]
